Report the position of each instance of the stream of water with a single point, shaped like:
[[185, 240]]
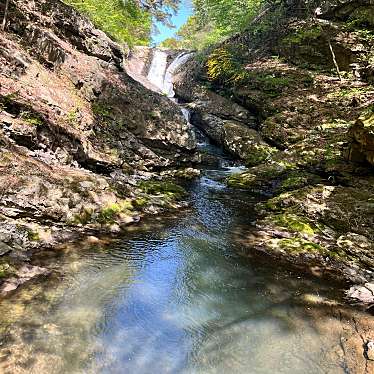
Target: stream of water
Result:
[[172, 296]]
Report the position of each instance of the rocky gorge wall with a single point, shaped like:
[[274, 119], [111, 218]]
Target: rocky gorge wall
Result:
[[276, 103], [78, 137]]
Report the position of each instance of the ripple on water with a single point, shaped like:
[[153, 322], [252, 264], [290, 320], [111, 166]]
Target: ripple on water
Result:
[[174, 298]]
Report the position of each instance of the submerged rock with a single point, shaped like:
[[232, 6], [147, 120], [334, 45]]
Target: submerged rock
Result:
[[22, 275]]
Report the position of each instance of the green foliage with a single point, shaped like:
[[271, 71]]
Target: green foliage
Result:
[[225, 65], [303, 34], [362, 18], [101, 109], [31, 118], [127, 21], [171, 43], [213, 20], [228, 16], [195, 34], [108, 213]]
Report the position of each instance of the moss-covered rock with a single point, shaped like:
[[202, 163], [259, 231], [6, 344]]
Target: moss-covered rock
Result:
[[166, 188], [277, 176], [298, 179], [362, 135], [294, 222], [297, 246], [6, 270]]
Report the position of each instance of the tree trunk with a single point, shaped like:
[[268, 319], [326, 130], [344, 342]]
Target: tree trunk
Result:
[[334, 61]]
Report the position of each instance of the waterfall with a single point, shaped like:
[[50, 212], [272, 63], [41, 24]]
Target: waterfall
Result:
[[168, 81], [157, 70], [161, 75]]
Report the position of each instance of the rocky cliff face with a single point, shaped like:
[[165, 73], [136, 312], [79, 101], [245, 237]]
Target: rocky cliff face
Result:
[[76, 130], [277, 103]]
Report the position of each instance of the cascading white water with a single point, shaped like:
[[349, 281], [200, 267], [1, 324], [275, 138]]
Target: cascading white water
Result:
[[157, 70], [170, 71], [161, 75]]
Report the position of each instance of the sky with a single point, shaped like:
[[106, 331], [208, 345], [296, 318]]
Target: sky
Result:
[[185, 10]]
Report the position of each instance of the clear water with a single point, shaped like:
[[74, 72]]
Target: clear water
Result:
[[172, 296]]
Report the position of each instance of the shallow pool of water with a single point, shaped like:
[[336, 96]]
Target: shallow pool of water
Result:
[[173, 296]]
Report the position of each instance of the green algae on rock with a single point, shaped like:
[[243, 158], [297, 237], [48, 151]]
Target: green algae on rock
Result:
[[166, 188]]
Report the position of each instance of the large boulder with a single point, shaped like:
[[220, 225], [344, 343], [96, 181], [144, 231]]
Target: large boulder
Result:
[[362, 139], [245, 143]]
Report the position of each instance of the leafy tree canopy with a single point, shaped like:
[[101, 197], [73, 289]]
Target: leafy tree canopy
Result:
[[128, 21]]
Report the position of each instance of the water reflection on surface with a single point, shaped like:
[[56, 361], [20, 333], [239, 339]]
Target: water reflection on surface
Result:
[[173, 297]]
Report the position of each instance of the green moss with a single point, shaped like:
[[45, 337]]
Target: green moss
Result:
[[33, 235], [298, 245], [140, 202], [259, 155], [72, 117], [101, 109], [348, 93], [241, 180], [165, 188], [3, 273], [293, 182], [302, 35], [109, 213], [294, 223], [84, 217], [276, 202], [31, 118], [261, 175], [296, 180], [6, 270]]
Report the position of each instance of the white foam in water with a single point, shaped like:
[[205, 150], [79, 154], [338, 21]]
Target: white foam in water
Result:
[[212, 183], [157, 70], [168, 81]]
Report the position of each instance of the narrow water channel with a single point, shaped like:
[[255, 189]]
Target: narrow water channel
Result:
[[172, 296]]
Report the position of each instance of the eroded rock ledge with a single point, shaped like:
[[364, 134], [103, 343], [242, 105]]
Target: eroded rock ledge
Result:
[[80, 140]]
